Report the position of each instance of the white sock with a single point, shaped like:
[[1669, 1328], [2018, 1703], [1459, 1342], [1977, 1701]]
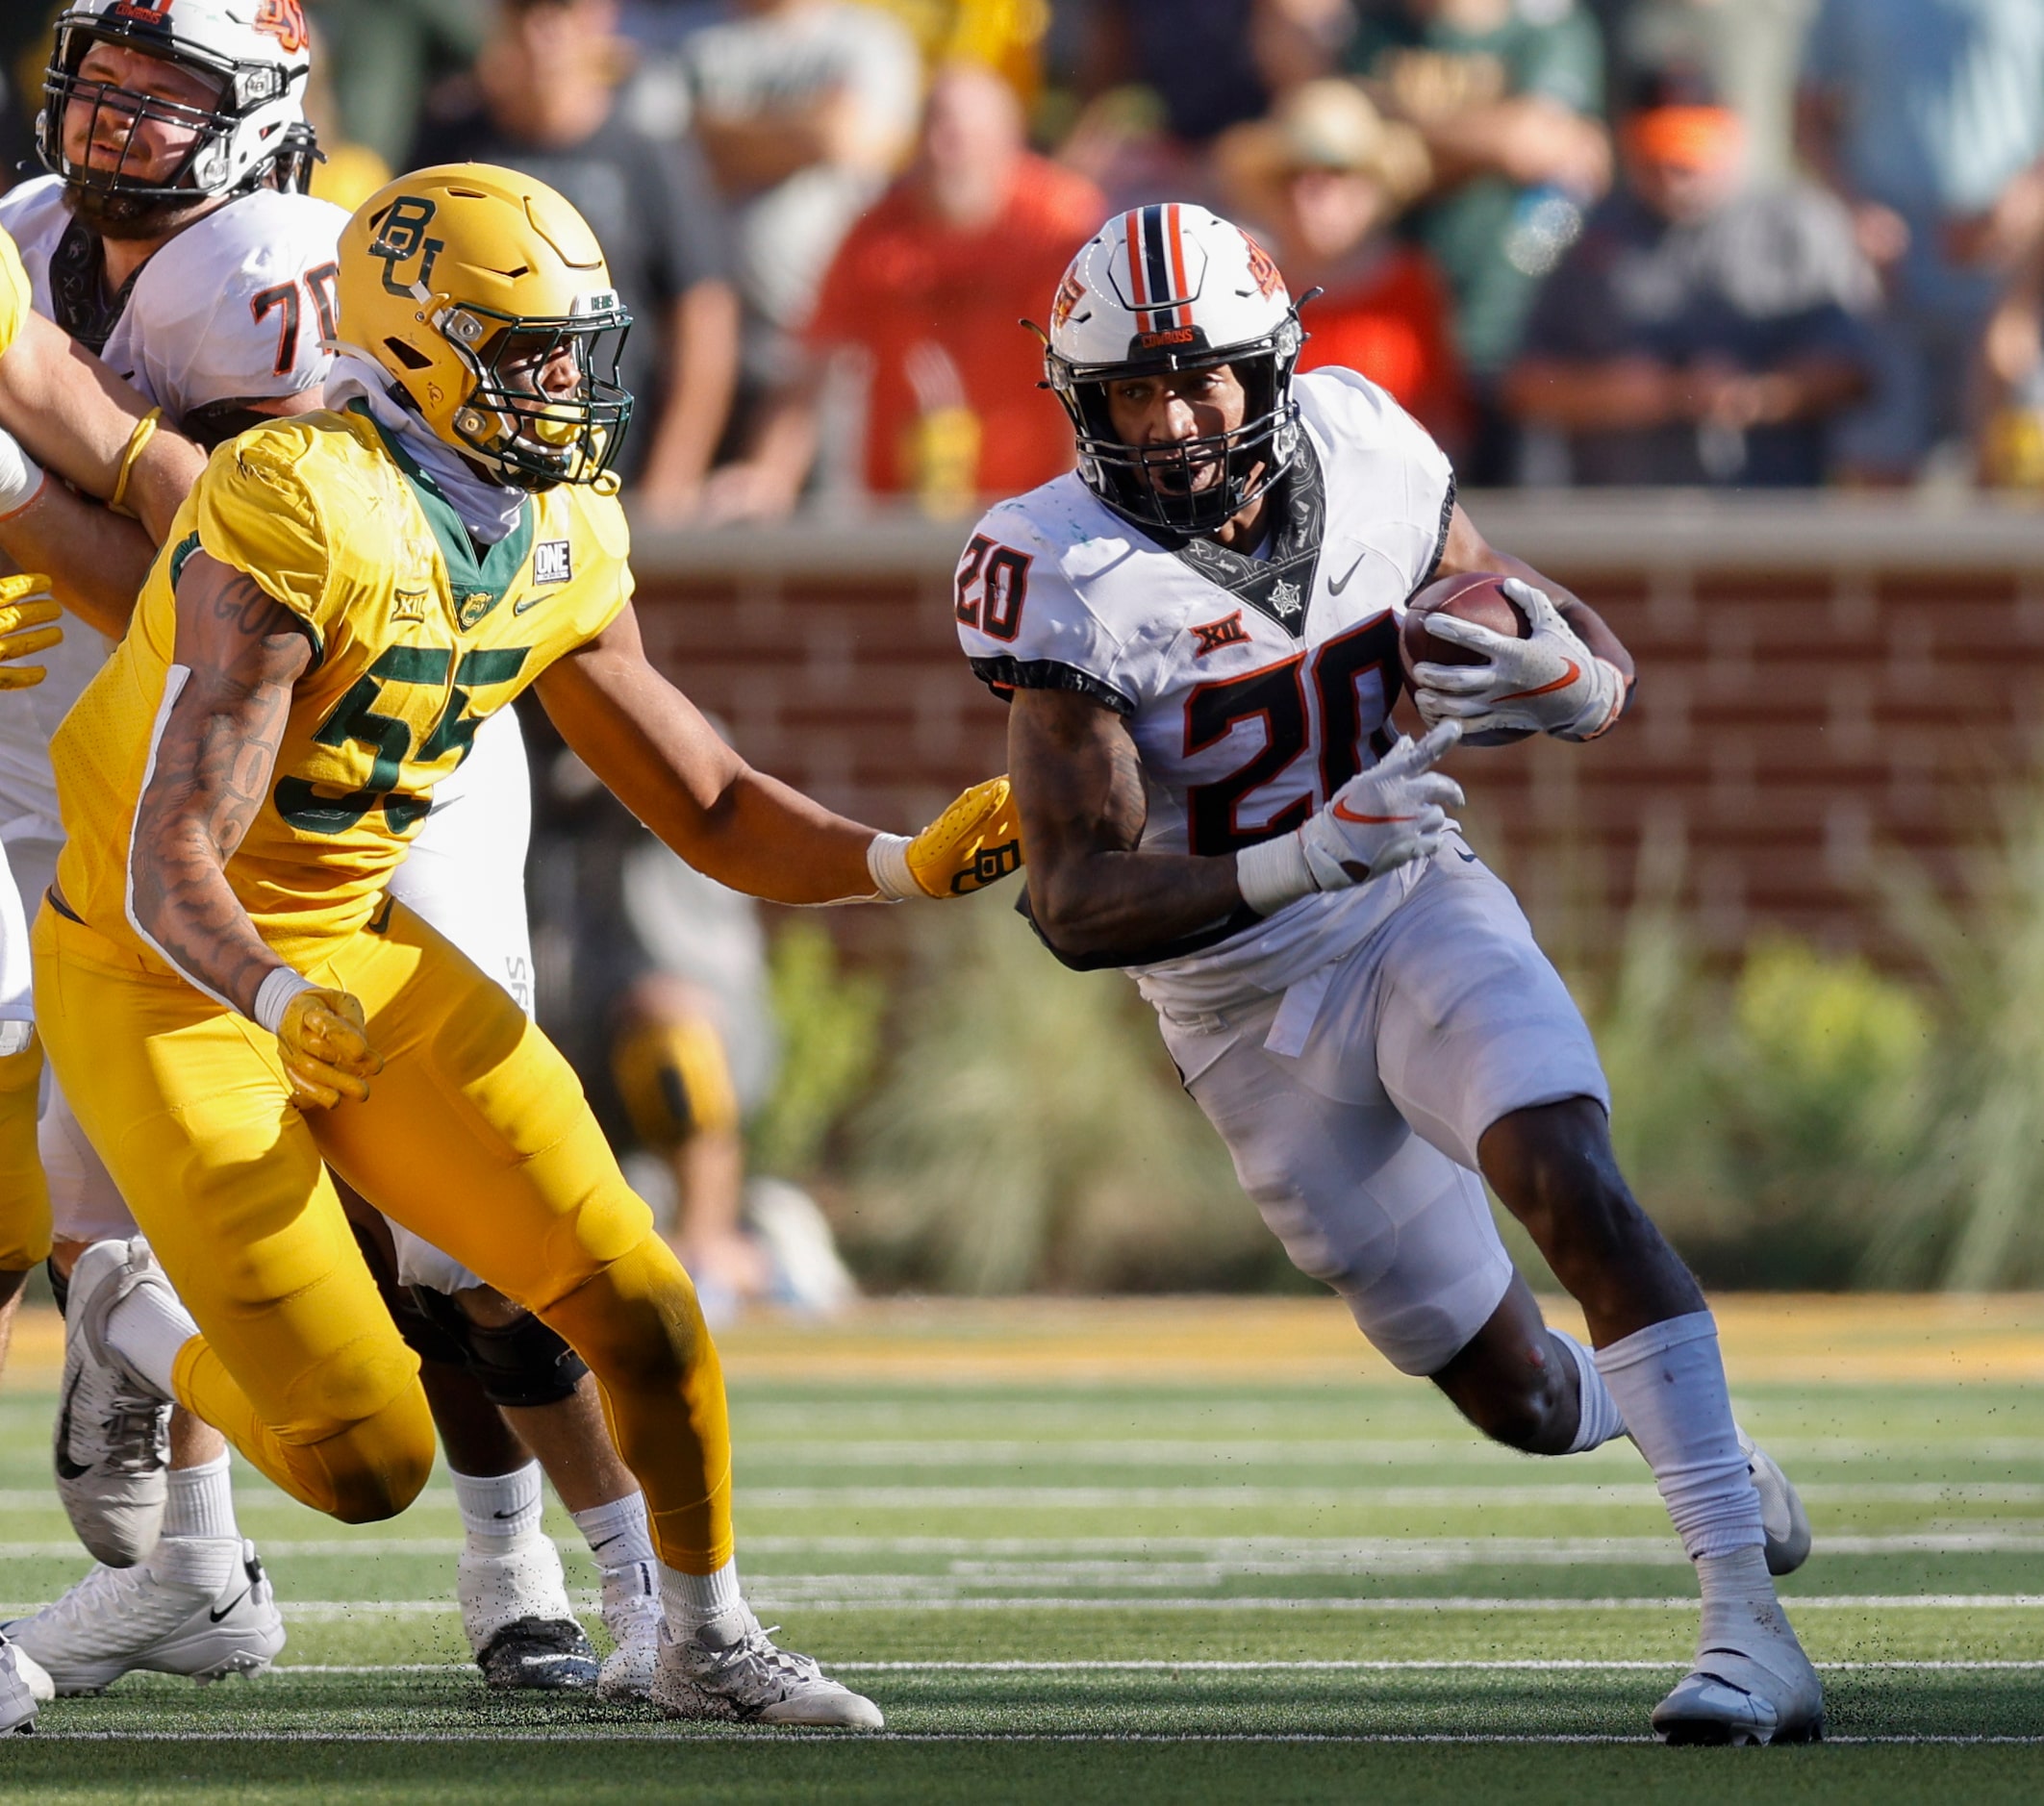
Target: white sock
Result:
[[692, 1600], [1600, 1418], [1668, 1381], [498, 1509], [147, 1329], [618, 1534], [204, 1563], [200, 1502]]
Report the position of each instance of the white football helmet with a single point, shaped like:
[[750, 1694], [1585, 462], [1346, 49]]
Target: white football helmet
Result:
[[258, 51], [1172, 287]]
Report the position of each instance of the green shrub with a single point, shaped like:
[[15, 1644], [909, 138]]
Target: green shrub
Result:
[[829, 1025], [1031, 1132]]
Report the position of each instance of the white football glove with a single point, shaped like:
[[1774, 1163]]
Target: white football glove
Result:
[[1551, 683], [1395, 812]]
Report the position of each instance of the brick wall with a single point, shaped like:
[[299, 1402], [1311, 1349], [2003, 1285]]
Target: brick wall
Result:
[[1821, 679]]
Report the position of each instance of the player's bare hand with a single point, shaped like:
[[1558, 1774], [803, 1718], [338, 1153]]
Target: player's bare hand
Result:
[[324, 1043], [1548, 683], [29, 624], [977, 841]]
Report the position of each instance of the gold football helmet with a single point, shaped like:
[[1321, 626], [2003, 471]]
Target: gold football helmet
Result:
[[484, 297]]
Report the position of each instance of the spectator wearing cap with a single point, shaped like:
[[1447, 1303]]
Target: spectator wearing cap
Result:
[[1325, 177], [1927, 118], [1700, 331], [545, 101], [804, 108], [925, 300], [1506, 96]]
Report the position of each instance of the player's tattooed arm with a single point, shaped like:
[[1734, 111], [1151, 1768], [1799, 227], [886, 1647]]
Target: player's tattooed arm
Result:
[[648, 744], [1467, 550], [1079, 782], [240, 653]]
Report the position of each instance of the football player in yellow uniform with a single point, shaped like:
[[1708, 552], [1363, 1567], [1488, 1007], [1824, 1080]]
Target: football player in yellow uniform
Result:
[[234, 1004], [61, 409]]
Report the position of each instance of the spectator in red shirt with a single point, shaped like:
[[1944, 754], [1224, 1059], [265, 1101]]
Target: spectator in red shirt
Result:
[[1323, 177], [923, 300]]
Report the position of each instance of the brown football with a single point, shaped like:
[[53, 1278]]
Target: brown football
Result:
[[1476, 596]]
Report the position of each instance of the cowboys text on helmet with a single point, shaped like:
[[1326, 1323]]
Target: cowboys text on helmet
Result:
[[1162, 289]]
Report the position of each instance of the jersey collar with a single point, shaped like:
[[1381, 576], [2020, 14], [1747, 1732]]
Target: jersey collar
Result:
[[1280, 584], [478, 585]]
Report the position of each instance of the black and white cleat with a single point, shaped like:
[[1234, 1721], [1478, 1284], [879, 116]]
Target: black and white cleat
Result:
[[543, 1655]]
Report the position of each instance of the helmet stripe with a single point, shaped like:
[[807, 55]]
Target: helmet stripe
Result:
[[1178, 286], [1132, 235], [1156, 268]]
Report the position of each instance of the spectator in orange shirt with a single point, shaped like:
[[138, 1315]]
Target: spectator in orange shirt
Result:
[[1323, 177], [923, 297]]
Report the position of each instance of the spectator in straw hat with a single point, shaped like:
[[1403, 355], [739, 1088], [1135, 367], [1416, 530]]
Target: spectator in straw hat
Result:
[[1325, 176]]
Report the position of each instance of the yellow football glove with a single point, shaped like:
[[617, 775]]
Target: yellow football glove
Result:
[[28, 625], [324, 1043], [977, 841]]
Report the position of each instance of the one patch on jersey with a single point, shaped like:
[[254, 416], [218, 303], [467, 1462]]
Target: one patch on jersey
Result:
[[551, 563], [1218, 634]]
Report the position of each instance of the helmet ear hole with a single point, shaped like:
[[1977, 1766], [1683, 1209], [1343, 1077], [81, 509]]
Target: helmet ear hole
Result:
[[406, 356]]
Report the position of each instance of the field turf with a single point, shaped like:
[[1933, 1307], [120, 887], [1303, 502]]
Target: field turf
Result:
[[1171, 1550]]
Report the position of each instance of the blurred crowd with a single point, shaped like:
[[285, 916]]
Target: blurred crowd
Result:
[[1734, 242]]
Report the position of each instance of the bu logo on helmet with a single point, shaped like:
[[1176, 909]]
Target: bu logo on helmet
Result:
[[402, 237], [281, 20]]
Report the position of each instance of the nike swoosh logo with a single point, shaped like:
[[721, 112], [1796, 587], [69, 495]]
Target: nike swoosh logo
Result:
[[1468, 858], [217, 1616], [503, 1514], [528, 602], [66, 1467], [1346, 813], [1562, 682], [1335, 584], [605, 1543]]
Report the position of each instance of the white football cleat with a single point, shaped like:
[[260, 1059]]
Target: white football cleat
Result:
[[730, 1671], [24, 1686], [522, 1629], [1784, 1522], [632, 1614], [1754, 1685], [112, 1443], [118, 1619]]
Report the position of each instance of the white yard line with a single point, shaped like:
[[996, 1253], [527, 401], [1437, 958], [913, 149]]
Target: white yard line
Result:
[[852, 1740], [1162, 1666], [1225, 1497], [329, 1610]]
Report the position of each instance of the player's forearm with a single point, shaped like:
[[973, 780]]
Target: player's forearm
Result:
[[1107, 902], [183, 903], [95, 561], [652, 749]]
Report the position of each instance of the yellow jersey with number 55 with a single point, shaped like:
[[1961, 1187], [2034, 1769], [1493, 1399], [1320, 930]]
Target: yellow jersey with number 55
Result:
[[416, 638], [14, 293]]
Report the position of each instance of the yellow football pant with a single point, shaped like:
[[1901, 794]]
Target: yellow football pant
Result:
[[476, 1137], [24, 1191]]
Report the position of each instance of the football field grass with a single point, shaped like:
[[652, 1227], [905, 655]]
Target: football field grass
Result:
[[1171, 1550]]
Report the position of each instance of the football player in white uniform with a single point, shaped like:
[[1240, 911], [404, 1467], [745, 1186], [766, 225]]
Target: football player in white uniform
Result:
[[1199, 629], [161, 242]]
